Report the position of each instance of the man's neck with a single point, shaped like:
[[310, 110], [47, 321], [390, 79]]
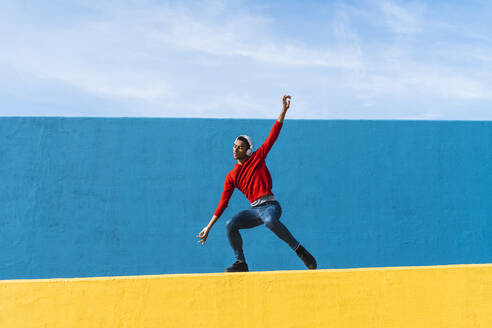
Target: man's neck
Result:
[[241, 161]]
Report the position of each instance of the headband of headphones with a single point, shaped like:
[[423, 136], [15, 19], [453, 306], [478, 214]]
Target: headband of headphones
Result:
[[250, 142]]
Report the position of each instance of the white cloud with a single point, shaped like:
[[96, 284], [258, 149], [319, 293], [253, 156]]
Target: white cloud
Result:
[[399, 68], [401, 20], [115, 53], [227, 59]]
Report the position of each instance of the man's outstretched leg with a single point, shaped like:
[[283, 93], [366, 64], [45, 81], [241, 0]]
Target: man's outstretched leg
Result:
[[243, 220], [270, 214]]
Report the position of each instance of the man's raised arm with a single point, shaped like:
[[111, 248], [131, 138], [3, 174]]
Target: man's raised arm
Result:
[[272, 137], [284, 110]]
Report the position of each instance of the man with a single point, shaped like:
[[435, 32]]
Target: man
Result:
[[251, 176]]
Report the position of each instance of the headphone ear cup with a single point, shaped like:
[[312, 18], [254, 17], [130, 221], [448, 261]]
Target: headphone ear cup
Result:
[[248, 152]]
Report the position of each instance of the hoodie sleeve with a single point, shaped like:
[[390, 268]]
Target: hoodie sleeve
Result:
[[270, 140], [226, 195]]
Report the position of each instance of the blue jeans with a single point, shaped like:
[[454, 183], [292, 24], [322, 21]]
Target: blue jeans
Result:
[[269, 214]]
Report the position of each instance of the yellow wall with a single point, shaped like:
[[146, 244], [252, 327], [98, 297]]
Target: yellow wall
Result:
[[443, 296]]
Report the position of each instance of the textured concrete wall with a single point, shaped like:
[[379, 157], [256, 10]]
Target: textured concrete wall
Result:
[[438, 297], [106, 197]]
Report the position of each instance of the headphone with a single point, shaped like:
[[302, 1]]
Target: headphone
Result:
[[250, 149]]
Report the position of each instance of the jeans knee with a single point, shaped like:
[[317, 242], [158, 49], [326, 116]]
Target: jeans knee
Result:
[[270, 223], [230, 225]]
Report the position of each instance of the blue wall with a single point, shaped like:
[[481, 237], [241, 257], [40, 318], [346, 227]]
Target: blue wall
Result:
[[127, 196]]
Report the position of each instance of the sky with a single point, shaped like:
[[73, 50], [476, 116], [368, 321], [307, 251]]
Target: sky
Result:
[[417, 60]]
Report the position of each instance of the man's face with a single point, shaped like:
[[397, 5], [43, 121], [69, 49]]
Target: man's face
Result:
[[239, 149]]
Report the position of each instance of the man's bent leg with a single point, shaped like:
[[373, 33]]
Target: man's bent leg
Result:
[[270, 215], [243, 220]]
